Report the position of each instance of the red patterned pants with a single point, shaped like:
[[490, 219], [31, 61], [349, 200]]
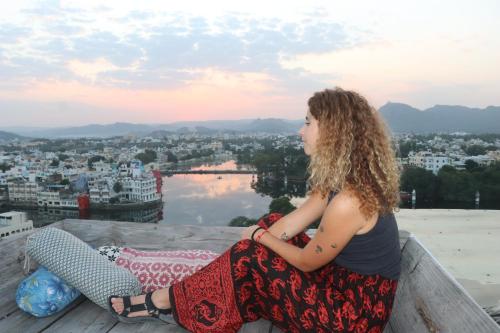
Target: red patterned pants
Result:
[[250, 281]]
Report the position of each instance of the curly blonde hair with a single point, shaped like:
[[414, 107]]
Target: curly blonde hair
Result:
[[353, 151]]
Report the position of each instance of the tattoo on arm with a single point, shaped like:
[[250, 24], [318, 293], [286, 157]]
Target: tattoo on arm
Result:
[[334, 246], [284, 236], [319, 249]]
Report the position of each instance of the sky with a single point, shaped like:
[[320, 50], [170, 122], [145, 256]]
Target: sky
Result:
[[70, 63]]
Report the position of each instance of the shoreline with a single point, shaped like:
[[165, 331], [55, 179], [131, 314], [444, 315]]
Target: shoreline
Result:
[[93, 207]]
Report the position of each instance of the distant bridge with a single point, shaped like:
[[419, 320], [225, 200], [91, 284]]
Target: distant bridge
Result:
[[205, 172]]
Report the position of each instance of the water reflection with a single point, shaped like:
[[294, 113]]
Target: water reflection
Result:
[[278, 187], [42, 216], [211, 199]]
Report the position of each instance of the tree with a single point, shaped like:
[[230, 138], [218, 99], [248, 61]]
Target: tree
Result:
[[456, 185], [54, 163], [147, 157], [65, 181], [171, 157], [93, 159], [406, 147], [471, 165], [4, 167], [281, 205], [118, 187], [62, 157], [475, 150], [242, 221], [424, 182]]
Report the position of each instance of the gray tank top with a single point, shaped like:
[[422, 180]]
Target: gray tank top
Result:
[[375, 252]]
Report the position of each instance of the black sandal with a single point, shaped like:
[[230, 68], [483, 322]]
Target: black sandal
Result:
[[164, 315]]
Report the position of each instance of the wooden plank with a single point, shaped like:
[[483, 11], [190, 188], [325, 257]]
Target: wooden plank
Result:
[[21, 322], [152, 236], [258, 326], [8, 298], [147, 327], [388, 328], [428, 299], [85, 318], [11, 271]]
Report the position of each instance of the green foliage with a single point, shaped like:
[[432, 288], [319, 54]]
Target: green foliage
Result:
[[452, 185], [471, 165], [54, 163], [475, 150], [424, 182], [5, 167], [286, 160], [93, 159], [242, 221], [171, 157], [118, 187], [147, 157], [281, 205], [197, 154], [455, 185], [62, 157], [65, 181], [405, 148]]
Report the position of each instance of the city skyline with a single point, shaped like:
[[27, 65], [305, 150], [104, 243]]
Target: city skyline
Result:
[[71, 63]]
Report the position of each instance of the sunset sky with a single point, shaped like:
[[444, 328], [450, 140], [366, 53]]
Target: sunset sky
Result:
[[67, 63]]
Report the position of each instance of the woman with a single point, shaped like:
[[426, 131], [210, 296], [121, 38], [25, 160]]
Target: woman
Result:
[[343, 279]]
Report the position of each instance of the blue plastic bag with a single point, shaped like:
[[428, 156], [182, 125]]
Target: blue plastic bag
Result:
[[43, 293]]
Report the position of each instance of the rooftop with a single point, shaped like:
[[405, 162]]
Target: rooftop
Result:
[[428, 297]]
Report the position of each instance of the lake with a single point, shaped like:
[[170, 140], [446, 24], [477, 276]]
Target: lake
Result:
[[187, 199]]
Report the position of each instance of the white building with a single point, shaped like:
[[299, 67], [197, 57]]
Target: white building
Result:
[[22, 192], [99, 193], [56, 199], [428, 160], [14, 222], [140, 189], [48, 199], [483, 160], [101, 166]]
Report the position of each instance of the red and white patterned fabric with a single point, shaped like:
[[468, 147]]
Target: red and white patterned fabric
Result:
[[160, 269]]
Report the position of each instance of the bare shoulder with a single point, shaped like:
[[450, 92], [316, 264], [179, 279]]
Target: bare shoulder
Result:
[[345, 202], [345, 207]]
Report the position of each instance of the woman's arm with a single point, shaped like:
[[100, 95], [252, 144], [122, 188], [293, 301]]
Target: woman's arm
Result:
[[298, 220], [341, 220]]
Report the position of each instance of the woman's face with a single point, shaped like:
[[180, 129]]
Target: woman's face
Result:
[[309, 134]]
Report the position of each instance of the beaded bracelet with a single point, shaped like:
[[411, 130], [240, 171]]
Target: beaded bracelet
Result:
[[259, 236], [253, 233]]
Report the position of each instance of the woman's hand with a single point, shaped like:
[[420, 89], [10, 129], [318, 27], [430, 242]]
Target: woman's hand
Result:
[[247, 232]]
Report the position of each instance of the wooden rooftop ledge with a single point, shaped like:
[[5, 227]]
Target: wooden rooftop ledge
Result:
[[428, 298]]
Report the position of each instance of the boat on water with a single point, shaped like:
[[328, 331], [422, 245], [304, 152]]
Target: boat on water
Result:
[[428, 298], [14, 222]]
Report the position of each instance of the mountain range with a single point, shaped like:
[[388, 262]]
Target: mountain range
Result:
[[7, 136], [401, 118]]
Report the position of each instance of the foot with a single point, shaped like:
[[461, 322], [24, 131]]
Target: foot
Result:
[[160, 299]]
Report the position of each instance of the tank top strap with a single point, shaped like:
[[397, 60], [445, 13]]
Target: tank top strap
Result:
[[331, 195]]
